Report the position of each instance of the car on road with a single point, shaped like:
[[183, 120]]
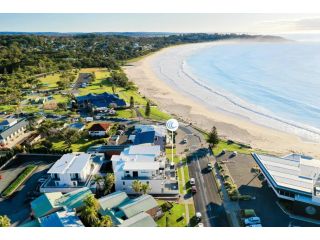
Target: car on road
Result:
[[209, 166], [234, 153], [194, 189], [184, 141], [192, 181], [198, 216], [252, 221]]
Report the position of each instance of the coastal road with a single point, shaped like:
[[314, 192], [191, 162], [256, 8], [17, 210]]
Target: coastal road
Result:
[[207, 199]]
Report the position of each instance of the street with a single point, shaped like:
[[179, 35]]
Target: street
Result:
[[207, 199]]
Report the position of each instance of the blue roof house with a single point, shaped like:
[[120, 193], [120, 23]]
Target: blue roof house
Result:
[[100, 100]]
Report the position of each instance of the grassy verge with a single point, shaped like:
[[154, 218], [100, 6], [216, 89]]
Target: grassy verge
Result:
[[80, 146], [173, 217], [50, 81], [155, 114], [126, 113], [19, 180]]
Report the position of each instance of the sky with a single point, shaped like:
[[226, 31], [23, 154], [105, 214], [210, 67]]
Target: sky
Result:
[[157, 22]]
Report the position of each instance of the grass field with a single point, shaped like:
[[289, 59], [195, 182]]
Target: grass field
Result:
[[173, 218], [126, 113], [224, 145], [80, 146], [155, 114], [50, 81]]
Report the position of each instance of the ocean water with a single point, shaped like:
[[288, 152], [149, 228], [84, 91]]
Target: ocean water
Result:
[[278, 81]]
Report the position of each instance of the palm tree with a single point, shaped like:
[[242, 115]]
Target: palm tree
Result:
[[136, 186], [91, 202], [4, 221], [89, 216], [145, 187], [106, 221], [108, 183]]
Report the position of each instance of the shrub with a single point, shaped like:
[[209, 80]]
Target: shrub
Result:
[[166, 206], [18, 181]]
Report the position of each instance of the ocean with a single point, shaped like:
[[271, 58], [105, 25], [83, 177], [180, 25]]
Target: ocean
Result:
[[273, 84]]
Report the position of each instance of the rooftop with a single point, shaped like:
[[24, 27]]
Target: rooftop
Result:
[[70, 163], [136, 166], [61, 219], [99, 127], [296, 172], [140, 220], [112, 200], [8, 131]]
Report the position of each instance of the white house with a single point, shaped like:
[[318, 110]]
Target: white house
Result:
[[6, 123], [11, 130], [146, 163], [71, 171], [99, 129]]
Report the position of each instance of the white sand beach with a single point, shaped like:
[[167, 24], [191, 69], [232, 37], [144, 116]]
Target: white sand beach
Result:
[[160, 78]]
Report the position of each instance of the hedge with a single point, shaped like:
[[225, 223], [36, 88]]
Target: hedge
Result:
[[18, 181]]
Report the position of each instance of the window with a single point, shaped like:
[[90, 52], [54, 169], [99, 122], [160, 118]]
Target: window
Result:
[[123, 183]]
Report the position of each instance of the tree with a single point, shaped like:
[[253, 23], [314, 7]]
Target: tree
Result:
[[47, 144], [93, 76], [108, 183], [145, 188], [113, 87], [91, 202], [131, 102], [89, 216], [4, 221], [148, 110], [136, 186], [70, 136], [105, 221], [62, 105], [213, 138]]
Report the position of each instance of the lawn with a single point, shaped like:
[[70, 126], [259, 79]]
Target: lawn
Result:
[[176, 158], [60, 98], [155, 114], [126, 113], [50, 81], [173, 217], [80, 146], [8, 108], [223, 144]]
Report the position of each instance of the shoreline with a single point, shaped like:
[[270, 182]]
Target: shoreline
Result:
[[183, 104]]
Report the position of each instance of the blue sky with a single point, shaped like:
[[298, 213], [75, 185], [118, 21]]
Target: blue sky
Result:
[[135, 22]]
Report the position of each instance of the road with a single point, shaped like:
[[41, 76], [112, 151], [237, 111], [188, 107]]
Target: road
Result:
[[207, 199]]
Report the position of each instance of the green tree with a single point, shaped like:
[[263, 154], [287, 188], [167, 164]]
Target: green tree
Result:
[[113, 87], [108, 183], [89, 216], [213, 138], [106, 221], [70, 136], [131, 102], [145, 188], [4, 221], [148, 109], [91, 202], [136, 186]]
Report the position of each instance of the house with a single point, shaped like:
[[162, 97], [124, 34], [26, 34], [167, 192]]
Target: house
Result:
[[99, 129], [64, 218], [11, 130], [295, 178], [114, 140], [155, 134], [100, 100], [72, 171], [126, 212], [7, 123], [77, 126], [148, 164], [52, 202]]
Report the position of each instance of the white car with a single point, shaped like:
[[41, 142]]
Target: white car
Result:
[[192, 181], [198, 215], [200, 225], [254, 225], [185, 141], [252, 221]]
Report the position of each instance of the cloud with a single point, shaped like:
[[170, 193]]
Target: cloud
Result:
[[291, 25]]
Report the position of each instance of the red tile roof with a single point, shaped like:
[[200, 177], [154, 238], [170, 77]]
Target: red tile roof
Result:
[[99, 127]]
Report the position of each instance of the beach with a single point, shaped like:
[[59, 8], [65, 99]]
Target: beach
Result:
[[161, 78]]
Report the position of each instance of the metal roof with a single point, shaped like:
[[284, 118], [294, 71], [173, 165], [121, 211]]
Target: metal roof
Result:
[[291, 172], [61, 219], [112, 200], [70, 163], [140, 220], [144, 149], [8, 131], [45, 203], [138, 205]]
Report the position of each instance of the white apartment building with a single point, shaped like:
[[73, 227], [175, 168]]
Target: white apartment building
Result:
[[146, 163]]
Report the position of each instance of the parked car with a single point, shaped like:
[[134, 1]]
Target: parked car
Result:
[[198, 216], [200, 225], [234, 153], [209, 167], [254, 225], [192, 181], [184, 141], [252, 221], [194, 189]]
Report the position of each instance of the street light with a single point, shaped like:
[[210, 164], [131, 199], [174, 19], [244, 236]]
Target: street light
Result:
[[172, 125]]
